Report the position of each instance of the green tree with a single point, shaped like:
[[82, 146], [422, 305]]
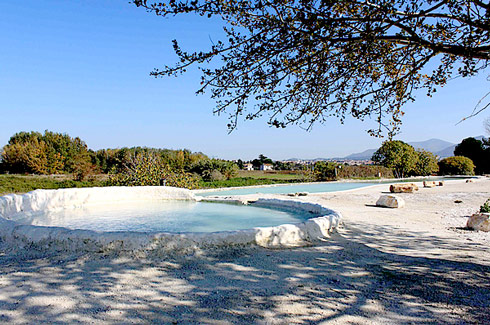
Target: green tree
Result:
[[26, 156], [398, 155], [215, 169], [457, 165], [426, 163], [325, 171], [48, 153], [303, 61], [477, 152], [148, 169]]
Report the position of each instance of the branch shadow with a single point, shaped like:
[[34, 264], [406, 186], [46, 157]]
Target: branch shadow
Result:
[[364, 274]]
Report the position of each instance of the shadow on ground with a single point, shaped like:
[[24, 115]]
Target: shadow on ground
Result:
[[361, 275]]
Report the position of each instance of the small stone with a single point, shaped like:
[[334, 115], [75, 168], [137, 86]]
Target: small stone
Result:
[[390, 201], [458, 201], [479, 221]]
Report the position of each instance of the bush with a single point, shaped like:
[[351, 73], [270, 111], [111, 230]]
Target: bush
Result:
[[485, 208], [457, 165], [148, 169], [206, 168], [325, 171], [426, 163]]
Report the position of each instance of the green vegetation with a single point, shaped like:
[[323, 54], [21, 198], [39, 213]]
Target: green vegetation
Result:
[[426, 164], [457, 165], [48, 153], [149, 169], [478, 151], [214, 169], [26, 183], [485, 208], [325, 171], [398, 155], [405, 160]]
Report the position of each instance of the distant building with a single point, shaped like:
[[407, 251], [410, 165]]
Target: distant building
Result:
[[266, 167], [248, 166]]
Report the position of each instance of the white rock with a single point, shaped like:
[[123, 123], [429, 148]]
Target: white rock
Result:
[[390, 201]]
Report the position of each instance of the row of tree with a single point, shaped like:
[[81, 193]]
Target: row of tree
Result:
[[471, 156], [56, 153]]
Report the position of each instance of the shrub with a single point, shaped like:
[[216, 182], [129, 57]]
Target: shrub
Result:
[[148, 169], [426, 163], [325, 171], [485, 208], [206, 167], [456, 165]]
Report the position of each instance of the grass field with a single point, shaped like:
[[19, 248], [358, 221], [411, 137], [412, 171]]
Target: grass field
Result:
[[25, 183]]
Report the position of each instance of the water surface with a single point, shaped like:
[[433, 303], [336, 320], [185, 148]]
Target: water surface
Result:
[[163, 216]]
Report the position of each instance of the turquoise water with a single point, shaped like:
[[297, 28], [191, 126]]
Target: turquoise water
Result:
[[311, 187], [290, 188], [163, 216]]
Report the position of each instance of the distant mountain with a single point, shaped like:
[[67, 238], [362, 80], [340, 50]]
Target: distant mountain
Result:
[[447, 152], [365, 155], [439, 147], [432, 145]]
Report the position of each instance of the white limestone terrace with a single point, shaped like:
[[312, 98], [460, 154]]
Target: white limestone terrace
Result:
[[20, 236]]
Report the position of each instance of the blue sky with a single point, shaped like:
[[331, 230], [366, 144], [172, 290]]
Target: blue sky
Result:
[[82, 68]]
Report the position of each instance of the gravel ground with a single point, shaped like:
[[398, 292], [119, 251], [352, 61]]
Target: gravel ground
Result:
[[417, 264]]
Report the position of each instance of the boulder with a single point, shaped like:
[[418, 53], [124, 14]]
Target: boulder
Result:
[[479, 221], [390, 201], [403, 188]]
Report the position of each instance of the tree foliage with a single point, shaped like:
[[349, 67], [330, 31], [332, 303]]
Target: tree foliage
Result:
[[48, 153], [299, 62], [325, 171], [148, 169], [456, 165], [215, 169], [477, 151], [426, 164], [398, 155]]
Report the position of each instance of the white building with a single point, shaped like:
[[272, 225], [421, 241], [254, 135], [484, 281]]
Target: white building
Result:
[[248, 166], [266, 167]]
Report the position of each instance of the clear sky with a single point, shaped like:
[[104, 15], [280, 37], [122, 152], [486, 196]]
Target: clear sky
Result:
[[82, 68]]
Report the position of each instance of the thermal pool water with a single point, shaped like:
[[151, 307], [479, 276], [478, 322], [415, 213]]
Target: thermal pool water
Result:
[[162, 216]]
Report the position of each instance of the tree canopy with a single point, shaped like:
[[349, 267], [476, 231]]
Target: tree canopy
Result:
[[398, 155], [299, 62], [478, 151]]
